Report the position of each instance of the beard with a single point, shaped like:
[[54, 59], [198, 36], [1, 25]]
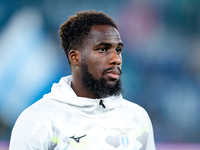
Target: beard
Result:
[[99, 86]]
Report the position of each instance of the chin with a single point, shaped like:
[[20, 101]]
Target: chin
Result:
[[112, 82]]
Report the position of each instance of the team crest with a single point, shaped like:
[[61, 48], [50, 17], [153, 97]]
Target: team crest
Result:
[[124, 140], [123, 134]]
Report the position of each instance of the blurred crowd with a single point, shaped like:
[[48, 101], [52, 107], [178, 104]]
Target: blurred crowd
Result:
[[161, 65]]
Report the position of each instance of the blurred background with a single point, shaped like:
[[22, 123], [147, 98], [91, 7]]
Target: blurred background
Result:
[[161, 65]]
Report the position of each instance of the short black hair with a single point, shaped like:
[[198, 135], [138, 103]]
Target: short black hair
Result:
[[77, 27]]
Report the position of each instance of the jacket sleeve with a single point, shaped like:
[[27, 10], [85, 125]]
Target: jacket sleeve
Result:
[[29, 133], [150, 141]]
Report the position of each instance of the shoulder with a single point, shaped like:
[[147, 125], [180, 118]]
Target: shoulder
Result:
[[138, 113], [132, 105], [33, 126], [135, 109], [36, 117], [42, 109]]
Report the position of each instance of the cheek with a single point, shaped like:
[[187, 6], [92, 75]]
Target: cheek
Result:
[[93, 60], [96, 68], [95, 64]]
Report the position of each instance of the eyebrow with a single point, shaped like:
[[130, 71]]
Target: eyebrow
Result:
[[108, 44]]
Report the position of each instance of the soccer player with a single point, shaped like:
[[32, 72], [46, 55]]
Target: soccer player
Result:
[[86, 110]]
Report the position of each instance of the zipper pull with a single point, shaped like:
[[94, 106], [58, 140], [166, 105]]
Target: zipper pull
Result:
[[102, 104]]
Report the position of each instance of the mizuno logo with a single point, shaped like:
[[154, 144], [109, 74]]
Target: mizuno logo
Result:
[[77, 139]]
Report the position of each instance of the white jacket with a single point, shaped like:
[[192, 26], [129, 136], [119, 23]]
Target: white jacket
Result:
[[63, 121]]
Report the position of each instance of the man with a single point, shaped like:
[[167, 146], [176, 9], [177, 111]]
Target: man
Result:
[[86, 111]]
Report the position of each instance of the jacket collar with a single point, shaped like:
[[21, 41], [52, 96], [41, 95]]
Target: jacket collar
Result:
[[63, 92]]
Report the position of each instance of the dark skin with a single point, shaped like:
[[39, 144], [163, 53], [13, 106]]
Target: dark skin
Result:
[[101, 51]]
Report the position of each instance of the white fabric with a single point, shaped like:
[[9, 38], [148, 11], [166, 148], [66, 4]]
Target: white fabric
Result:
[[63, 121]]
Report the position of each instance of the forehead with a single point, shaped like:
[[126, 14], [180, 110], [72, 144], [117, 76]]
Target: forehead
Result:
[[99, 33]]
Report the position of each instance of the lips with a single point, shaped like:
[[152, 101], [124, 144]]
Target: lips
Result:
[[113, 73]]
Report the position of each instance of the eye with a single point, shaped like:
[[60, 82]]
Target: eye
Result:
[[119, 50], [103, 50]]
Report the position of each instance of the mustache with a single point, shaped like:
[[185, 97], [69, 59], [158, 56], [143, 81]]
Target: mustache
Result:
[[116, 70]]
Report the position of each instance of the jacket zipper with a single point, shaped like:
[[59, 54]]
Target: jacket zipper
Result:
[[101, 107], [101, 103]]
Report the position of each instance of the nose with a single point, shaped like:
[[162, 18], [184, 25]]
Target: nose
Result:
[[115, 58]]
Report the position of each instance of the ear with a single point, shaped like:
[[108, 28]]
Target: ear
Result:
[[74, 57]]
